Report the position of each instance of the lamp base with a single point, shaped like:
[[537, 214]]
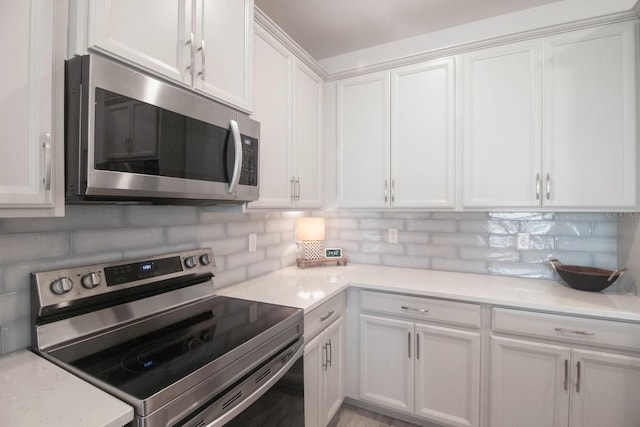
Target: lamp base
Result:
[[303, 263], [312, 249]]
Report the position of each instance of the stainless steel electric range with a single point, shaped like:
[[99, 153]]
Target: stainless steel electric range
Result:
[[153, 333]]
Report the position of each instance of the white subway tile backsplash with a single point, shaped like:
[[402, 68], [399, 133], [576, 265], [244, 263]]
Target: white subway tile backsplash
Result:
[[195, 233], [229, 277], [279, 225], [381, 223], [459, 239], [558, 228], [90, 241], [406, 261], [432, 251], [235, 229], [150, 216], [263, 267], [245, 259], [539, 271], [370, 235], [269, 239], [444, 226], [27, 246], [378, 247], [489, 254], [75, 217], [593, 244], [341, 223], [362, 258], [414, 237], [491, 227], [459, 265]]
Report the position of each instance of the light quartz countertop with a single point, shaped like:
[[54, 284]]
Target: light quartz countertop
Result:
[[35, 392], [308, 288]]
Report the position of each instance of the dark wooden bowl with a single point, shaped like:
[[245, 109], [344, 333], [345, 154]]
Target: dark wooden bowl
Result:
[[586, 278]]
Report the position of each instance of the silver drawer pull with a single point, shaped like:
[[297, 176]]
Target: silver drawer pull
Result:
[[573, 331], [421, 310], [325, 317]]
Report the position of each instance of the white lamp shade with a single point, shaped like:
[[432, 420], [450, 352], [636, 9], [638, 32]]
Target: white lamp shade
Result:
[[309, 228]]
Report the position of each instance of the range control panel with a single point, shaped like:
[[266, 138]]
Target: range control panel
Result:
[[61, 287]]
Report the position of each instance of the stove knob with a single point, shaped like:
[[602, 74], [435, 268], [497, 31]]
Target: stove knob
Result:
[[205, 259], [61, 286], [91, 280], [190, 262]]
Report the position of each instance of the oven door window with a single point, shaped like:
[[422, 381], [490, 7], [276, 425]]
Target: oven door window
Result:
[[136, 137]]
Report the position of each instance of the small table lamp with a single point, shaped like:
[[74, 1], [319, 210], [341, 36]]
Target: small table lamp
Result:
[[310, 233]]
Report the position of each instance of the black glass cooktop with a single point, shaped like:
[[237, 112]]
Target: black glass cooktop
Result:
[[146, 364]]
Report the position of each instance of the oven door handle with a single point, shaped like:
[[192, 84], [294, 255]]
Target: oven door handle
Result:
[[257, 394]]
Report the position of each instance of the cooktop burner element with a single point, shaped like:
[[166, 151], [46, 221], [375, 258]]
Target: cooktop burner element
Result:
[[153, 333]]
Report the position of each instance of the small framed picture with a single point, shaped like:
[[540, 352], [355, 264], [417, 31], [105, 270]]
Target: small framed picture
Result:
[[332, 252]]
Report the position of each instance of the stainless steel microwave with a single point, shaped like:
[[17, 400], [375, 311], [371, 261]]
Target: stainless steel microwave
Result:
[[131, 137]]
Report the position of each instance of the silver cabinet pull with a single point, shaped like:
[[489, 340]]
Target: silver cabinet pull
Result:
[[566, 374], [574, 331], [237, 164], [417, 346], [409, 345], [393, 190], [201, 49], [293, 189], [326, 316], [46, 147], [297, 188], [578, 377], [548, 187], [386, 189], [537, 186], [325, 357], [419, 310], [330, 352], [191, 67]]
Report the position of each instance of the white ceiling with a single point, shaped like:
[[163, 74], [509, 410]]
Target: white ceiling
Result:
[[326, 28]]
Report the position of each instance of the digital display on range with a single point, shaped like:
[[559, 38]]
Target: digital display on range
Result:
[[126, 273]]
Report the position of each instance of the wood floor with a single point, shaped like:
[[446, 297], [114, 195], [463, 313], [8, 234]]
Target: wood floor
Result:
[[351, 416]]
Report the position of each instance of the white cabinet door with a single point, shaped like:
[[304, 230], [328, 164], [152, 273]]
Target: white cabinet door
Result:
[[605, 391], [590, 118], [333, 375], [307, 134], [386, 362], [313, 381], [447, 375], [529, 384], [363, 134], [272, 108], [149, 33], [423, 135], [501, 147], [224, 50], [31, 106]]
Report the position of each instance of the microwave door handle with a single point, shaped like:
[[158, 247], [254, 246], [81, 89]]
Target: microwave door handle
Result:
[[237, 163]]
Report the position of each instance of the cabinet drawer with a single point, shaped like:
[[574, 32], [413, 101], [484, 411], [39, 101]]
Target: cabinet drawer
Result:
[[607, 333], [322, 316], [426, 309]]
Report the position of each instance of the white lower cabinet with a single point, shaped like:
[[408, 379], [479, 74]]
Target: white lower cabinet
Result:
[[536, 384], [558, 383], [323, 376], [432, 372], [324, 362]]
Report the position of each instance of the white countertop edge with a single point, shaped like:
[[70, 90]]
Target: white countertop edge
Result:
[[36, 392], [285, 286]]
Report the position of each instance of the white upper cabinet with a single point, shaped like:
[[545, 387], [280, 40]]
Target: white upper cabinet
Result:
[[307, 134], [31, 108], [551, 122], [590, 116], [224, 50], [288, 105], [396, 138], [153, 34], [364, 138], [501, 132], [423, 135], [207, 45]]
